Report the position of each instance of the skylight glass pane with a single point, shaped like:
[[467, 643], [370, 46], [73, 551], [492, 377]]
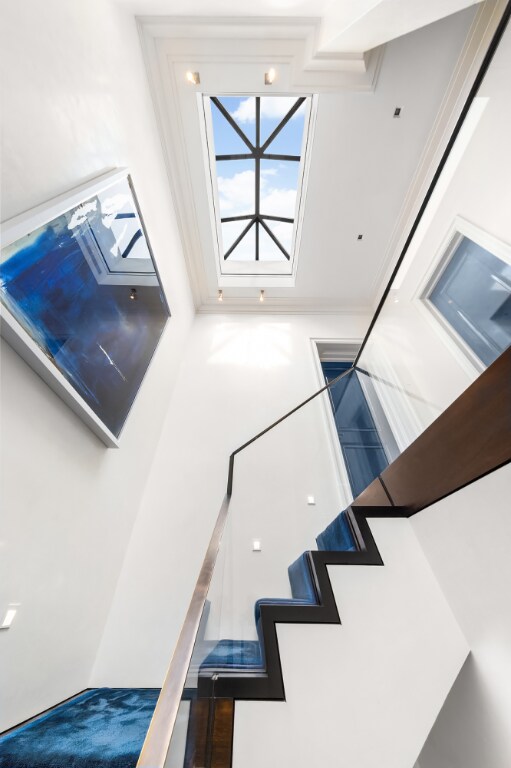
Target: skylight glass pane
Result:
[[279, 183], [289, 140], [273, 111], [265, 182], [231, 230], [236, 187], [242, 110], [268, 249], [283, 232], [245, 251], [226, 140]]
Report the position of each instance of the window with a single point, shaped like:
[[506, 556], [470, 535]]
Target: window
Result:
[[361, 445], [257, 150], [473, 295]]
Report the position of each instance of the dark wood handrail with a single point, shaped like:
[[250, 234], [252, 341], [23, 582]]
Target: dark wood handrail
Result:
[[230, 476], [494, 44]]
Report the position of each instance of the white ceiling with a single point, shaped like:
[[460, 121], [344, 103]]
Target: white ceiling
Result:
[[363, 160]]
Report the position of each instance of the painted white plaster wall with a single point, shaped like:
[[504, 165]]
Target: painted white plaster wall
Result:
[[75, 104], [466, 540], [364, 693], [408, 348], [239, 374]]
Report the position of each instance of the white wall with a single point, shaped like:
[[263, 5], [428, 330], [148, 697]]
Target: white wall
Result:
[[364, 693], [75, 104], [466, 540], [240, 374], [408, 346]]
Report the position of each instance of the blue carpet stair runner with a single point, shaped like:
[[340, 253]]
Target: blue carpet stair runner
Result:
[[248, 655], [101, 728], [337, 537], [240, 655]]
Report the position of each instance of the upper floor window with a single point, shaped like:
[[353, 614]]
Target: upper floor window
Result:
[[473, 294]]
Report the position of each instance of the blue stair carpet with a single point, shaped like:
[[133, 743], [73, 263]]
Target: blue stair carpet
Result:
[[248, 654], [337, 536], [238, 654], [102, 728]]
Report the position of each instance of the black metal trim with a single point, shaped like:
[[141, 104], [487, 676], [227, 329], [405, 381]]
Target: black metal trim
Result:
[[257, 153], [276, 218], [269, 684], [296, 106], [242, 217], [218, 104], [461, 119], [230, 476], [239, 239], [275, 240]]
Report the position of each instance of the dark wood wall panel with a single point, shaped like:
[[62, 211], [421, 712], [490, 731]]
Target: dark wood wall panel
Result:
[[471, 438]]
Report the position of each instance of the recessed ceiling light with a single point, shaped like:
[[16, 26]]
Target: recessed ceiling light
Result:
[[269, 76], [193, 78], [359, 237], [397, 112]]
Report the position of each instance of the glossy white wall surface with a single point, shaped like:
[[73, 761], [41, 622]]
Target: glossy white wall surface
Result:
[[239, 375], [466, 540], [364, 693], [409, 348], [75, 104]]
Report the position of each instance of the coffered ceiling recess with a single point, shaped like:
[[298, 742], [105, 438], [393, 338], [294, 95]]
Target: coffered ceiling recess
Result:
[[368, 165]]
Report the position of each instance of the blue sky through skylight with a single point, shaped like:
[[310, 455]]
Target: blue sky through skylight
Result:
[[278, 178]]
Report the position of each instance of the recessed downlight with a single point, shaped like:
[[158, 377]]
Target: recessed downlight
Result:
[[193, 78], [269, 77]]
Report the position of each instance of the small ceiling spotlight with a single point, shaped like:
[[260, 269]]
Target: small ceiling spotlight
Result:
[[220, 295], [261, 296], [397, 112], [133, 294], [193, 78], [269, 76]]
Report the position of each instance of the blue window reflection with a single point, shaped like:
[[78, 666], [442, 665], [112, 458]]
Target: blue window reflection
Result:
[[361, 445], [474, 295]]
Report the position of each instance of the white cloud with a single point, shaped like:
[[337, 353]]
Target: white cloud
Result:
[[236, 196], [237, 193], [273, 107], [278, 202]]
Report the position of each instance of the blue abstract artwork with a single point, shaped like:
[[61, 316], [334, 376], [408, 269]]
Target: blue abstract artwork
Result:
[[85, 288]]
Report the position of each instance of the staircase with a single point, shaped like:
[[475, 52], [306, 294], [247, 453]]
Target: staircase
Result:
[[398, 634]]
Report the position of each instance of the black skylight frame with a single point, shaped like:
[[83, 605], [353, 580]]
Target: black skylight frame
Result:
[[257, 153]]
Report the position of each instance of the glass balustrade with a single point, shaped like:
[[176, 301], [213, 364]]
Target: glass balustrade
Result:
[[446, 317]]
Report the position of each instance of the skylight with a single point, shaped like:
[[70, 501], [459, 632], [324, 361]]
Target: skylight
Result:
[[257, 148]]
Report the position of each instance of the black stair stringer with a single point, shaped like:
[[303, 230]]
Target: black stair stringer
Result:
[[269, 685]]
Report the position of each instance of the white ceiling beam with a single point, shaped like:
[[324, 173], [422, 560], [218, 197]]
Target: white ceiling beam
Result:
[[356, 26]]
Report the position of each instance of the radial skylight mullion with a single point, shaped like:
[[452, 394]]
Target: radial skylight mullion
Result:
[[247, 156], [275, 240], [242, 217], [261, 202], [292, 158], [240, 238], [218, 104], [283, 123], [268, 216]]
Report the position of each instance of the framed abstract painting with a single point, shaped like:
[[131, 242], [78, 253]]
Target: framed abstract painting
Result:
[[81, 299]]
